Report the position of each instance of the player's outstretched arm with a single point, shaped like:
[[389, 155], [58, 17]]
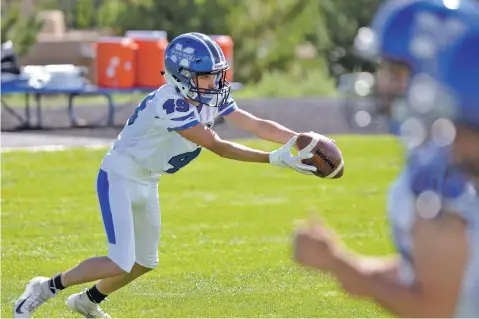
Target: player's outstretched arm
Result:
[[264, 129], [282, 157], [207, 138]]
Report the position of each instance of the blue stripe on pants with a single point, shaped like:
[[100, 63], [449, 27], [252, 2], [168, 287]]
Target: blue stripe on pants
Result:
[[103, 188]]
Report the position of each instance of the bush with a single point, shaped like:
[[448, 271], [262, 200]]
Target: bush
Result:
[[299, 82]]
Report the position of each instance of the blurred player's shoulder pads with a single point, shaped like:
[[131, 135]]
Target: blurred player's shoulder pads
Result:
[[431, 170]]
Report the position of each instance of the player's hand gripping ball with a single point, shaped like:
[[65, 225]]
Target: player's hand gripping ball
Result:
[[327, 157]]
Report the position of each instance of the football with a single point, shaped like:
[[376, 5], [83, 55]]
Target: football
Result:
[[327, 157]]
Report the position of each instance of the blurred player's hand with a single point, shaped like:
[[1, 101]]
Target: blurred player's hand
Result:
[[282, 157], [315, 246]]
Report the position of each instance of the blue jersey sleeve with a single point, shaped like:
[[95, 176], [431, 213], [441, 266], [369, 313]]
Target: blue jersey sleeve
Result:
[[228, 107]]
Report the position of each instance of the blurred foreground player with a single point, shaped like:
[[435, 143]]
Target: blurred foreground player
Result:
[[433, 205], [167, 131]]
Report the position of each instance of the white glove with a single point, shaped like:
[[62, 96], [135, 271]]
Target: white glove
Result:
[[282, 157]]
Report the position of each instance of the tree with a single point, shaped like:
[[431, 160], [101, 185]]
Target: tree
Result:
[[266, 33], [344, 18], [22, 31]]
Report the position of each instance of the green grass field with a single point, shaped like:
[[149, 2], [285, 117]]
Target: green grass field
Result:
[[226, 227]]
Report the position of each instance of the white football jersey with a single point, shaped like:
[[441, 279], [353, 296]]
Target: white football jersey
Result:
[[457, 195], [150, 135]]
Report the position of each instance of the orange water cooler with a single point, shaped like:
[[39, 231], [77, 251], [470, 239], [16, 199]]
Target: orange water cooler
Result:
[[227, 46], [115, 62], [150, 57]]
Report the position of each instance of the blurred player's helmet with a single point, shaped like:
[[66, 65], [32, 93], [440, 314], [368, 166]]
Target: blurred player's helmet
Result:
[[459, 77], [403, 40], [191, 55], [451, 107]]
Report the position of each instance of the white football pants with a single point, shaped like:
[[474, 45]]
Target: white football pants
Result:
[[129, 202]]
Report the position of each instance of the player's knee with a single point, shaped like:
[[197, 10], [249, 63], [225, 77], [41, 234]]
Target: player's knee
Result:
[[128, 267], [123, 266], [148, 263], [141, 269]]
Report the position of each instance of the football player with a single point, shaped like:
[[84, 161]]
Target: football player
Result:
[[433, 206], [167, 131]]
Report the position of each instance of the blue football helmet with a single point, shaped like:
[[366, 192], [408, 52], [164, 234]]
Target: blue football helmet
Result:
[[453, 114], [404, 39], [191, 55], [459, 76], [412, 31]]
